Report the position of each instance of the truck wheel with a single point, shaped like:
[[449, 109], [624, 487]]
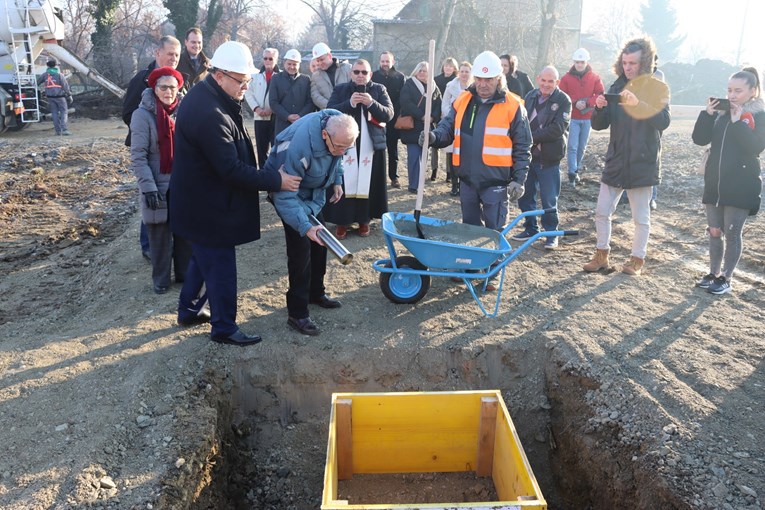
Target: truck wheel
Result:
[[405, 287]]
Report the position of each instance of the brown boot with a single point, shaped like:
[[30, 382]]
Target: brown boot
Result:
[[634, 266], [599, 261]]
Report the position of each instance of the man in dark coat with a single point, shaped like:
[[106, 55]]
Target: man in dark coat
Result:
[[637, 110], [193, 62], [393, 81], [549, 112], [214, 189], [290, 93], [365, 196]]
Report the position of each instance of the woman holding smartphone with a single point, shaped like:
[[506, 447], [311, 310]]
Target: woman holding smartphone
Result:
[[732, 184]]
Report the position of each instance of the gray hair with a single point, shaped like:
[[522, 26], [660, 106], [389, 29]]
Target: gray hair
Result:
[[168, 40], [343, 123], [274, 52]]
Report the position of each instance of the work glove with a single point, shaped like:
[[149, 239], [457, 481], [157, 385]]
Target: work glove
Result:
[[152, 199], [515, 190], [431, 138]]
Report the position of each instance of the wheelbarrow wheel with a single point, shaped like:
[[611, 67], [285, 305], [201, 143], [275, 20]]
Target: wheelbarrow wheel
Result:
[[405, 287]]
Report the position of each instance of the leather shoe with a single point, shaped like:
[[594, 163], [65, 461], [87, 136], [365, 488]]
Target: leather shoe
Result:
[[341, 232], [200, 318], [237, 338], [364, 229], [395, 184], [326, 302], [305, 326], [146, 256], [160, 289]]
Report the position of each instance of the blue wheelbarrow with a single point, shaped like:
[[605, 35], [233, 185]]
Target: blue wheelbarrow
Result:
[[449, 249]]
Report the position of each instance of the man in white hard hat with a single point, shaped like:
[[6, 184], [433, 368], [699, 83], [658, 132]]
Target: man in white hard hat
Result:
[[214, 189], [258, 97], [583, 86], [492, 141], [329, 74], [549, 111], [290, 94]]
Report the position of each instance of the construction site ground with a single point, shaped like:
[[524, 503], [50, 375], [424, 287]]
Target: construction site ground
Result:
[[627, 392]]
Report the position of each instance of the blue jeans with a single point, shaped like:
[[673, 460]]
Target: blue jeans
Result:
[[546, 180], [413, 155], [578, 134]]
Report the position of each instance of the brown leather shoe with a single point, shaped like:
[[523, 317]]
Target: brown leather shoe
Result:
[[395, 184], [341, 232], [364, 229]]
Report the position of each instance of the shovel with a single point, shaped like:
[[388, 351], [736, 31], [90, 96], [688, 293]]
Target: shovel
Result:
[[426, 132]]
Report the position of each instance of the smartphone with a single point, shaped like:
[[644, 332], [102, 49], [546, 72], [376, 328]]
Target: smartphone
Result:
[[613, 98], [360, 88], [723, 105]]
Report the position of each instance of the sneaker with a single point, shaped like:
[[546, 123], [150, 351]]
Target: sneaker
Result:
[[551, 243], [66, 133], [522, 236], [721, 285], [573, 180], [705, 282], [653, 205]]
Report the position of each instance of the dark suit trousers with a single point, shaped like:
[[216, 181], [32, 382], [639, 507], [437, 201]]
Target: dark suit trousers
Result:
[[306, 265], [391, 141], [211, 277], [264, 137]]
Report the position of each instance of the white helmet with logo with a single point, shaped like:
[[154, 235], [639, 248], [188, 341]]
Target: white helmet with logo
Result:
[[233, 56], [293, 55], [320, 49], [487, 65], [581, 55]]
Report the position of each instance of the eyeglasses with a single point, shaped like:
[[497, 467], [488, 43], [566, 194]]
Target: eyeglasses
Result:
[[164, 88], [268, 58], [361, 71], [242, 83], [335, 146]]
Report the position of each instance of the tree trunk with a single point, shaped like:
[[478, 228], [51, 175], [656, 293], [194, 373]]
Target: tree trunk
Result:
[[549, 15], [443, 33]]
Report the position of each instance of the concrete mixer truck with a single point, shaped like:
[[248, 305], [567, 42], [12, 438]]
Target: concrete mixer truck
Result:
[[27, 27]]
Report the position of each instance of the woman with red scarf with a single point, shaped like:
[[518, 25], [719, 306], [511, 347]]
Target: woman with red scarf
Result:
[[151, 154]]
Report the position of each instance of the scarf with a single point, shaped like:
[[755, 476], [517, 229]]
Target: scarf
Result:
[[165, 132]]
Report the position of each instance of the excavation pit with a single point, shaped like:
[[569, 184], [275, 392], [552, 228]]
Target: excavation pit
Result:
[[274, 423]]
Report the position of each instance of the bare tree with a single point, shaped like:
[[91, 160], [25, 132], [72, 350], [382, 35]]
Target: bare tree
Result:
[[345, 21], [616, 25], [79, 26], [549, 15], [443, 33]]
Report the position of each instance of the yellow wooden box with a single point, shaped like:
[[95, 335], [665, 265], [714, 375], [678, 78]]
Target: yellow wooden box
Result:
[[427, 432]]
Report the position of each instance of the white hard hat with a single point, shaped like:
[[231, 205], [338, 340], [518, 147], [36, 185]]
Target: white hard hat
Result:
[[581, 55], [487, 65], [320, 49], [233, 56], [293, 55]]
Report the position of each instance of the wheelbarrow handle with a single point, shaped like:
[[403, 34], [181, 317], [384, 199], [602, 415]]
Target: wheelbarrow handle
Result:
[[523, 215], [570, 232]]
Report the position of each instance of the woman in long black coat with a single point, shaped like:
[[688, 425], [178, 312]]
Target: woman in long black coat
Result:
[[413, 101]]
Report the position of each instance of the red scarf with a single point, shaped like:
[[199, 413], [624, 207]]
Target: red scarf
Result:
[[165, 132]]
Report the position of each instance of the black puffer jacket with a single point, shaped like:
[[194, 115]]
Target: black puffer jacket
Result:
[[732, 174], [551, 135], [633, 159]]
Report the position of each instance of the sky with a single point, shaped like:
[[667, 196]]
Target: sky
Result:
[[712, 27], [712, 31]]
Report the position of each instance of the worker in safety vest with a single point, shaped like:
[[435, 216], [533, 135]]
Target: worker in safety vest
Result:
[[492, 141]]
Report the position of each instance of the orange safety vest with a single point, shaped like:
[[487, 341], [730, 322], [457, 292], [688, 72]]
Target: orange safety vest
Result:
[[497, 147]]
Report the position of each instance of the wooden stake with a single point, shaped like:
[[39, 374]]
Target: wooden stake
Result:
[[486, 433], [344, 436]]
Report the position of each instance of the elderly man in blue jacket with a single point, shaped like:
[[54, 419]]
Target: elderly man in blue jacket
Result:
[[312, 148]]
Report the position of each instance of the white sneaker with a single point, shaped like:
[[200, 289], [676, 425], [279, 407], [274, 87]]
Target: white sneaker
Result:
[[551, 243]]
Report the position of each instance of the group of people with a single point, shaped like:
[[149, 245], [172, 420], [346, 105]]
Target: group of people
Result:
[[320, 153]]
